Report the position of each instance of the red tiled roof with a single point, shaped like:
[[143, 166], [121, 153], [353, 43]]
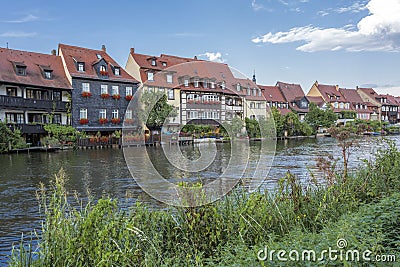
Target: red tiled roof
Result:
[[73, 54], [368, 91], [290, 91], [272, 93], [247, 83], [284, 111], [330, 90], [391, 100], [317, 100], [351, 95], [35, 64]]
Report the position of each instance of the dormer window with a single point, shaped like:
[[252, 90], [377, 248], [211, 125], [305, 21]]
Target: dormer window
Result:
[[48, 74], [248, 91], [150, 76], [169, 78], [259, 92], [98, 56], [21, 70], [81, 66], [103, 70], [223, 85], [238, 87], [196, 83], [164, 64], [186, 82], [117, 71], [153, 62], [212, 84], [205, 84]]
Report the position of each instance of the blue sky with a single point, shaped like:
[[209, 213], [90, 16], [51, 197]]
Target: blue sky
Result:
[[342, 42]]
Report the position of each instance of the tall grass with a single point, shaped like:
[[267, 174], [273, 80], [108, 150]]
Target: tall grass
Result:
[[224, 233]]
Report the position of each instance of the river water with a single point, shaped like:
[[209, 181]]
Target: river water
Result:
[[104, 172]]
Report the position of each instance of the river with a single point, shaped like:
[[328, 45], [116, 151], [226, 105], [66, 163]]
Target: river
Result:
[[104, 172]]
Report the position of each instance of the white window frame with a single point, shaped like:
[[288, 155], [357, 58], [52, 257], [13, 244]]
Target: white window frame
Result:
[[196, 83], [169, 78], [83, 112], [115, 114], [150, 76], [81, 66], [103, 114], [186, 82], [114, 90], [86, 87], [171, 94], [117, 72], [128, 114], [104, 89], [129, 90], [212, 85]]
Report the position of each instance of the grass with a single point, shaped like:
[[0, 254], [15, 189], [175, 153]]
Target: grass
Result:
[[230, 232]]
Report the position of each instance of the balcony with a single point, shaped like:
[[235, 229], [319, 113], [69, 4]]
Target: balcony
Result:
[[28, 128], [32, 104]]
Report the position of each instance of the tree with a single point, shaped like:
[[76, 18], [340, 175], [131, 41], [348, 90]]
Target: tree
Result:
[[155, 110], [317, 117], [10, 138], [279, 121]]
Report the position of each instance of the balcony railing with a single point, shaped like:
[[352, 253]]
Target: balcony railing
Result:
[[34, 104], [28, 128]]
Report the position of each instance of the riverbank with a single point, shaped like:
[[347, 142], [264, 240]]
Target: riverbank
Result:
[[231, 231]]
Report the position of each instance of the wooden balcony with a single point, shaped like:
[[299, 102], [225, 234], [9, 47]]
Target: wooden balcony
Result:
[[32, 104]]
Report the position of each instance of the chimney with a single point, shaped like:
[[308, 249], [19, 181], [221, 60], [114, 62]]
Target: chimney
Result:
[[132, 50], [254, 77], [195, 57], [103, 47], [53, 52]]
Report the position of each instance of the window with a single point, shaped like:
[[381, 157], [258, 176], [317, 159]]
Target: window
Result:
[[205, 84], [81, 66], [37, 94], [171, 95], [104, 89], [238, 87], [251, 104], [102, 68], [150, 76], [48, 74], [11, 91], [85, 87], [128, 114], [196, 83], [341, 105], [186, 82], [164, 64], [259, 92], [98, 56], [15, 118], [254, 92], [129, 90], [336, 105], [57, 118], [192, 114], [153, 62], [114, 90], [115, 114], [223, 85], [21, 70], [248, 91], [169, 78], [212, 84], [57, 95], [83, 113], [103, 114], [117, 71]]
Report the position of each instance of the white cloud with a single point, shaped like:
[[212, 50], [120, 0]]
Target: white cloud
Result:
[[18, 34], [392, 90], [27, 18], [216, 57], [354, 8], [256, 6], [379, 31], [322, 13]]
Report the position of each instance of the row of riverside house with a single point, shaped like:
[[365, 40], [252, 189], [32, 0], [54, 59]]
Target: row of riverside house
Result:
[[89, 90]]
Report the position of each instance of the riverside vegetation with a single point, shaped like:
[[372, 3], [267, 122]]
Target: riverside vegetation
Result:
[[360, 206]]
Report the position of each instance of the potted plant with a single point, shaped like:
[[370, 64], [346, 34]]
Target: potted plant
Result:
[[86, 94], [129, 97], [116, 96], [128, 121], [103, 73], [115, 120], [83, 121], [104, 96], [103, 120]]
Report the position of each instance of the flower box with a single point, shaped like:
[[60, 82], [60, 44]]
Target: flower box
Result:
[[103, 120], [128, 121], [103, 73], [116, 96], [86, 94], [83, 121], [129, 97], [116, 120], [104, 96]]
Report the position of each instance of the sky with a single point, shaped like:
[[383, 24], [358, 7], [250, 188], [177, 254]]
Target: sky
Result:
[[345, 43]]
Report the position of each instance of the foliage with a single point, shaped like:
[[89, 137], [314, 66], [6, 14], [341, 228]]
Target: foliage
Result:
[[348, 114], [252, 128], [62, 133], [234, 128], [10, 139], [155, 109], [279, 121], [317, 117]]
